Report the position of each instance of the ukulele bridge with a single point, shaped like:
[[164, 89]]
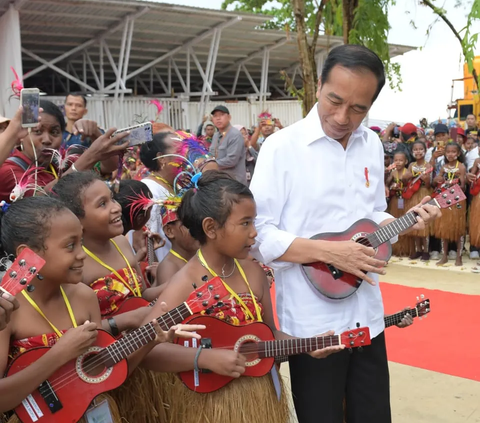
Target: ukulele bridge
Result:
[[245, 340], [86, 365]]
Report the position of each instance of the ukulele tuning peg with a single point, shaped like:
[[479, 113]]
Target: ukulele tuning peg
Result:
[[30, 288], [358, 324], [205, 303], [39, 277], [459, 206], [199, 294], [360, 349], [22, 262], [216, 297], [23, 281], [194, 285], [204, 278], [210, 287], [13, 274], [32, 270]]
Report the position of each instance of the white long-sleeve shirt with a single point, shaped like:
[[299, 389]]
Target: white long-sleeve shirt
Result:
[[304, 184]]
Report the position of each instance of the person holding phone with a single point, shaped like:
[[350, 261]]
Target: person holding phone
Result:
[[265, 128], [37, 148]]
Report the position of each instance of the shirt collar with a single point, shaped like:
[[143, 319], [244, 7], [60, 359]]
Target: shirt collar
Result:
[[314, 131]]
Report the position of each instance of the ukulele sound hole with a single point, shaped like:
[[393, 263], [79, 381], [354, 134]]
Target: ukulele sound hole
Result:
[[363, 241], [92, 366]]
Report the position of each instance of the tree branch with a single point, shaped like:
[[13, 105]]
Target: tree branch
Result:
[[316, 30], [455, 32]]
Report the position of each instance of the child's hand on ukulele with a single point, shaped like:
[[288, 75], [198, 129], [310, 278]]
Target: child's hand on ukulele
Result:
[[325, 352], [406, 321], [222, 362], [177, 331], [8, 304], [76, 341], [471, 177]]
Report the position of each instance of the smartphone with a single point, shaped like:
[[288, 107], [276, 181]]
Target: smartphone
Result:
[[30, 101], [139, 134]]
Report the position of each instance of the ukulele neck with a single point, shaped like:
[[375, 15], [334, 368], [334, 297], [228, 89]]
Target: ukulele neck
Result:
[[387, 232], [150, 252], [295, 346], [140, 337], [395, 319]]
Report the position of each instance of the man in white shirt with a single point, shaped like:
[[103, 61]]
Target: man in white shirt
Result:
[[321, 175]]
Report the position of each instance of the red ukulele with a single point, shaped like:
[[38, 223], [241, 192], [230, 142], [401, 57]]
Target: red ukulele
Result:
[[414, 185], [18, 276], [257, 343], [337, 285], [475, 186], [422, 308], [66, 395]]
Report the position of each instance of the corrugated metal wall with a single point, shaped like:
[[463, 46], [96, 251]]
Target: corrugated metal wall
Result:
[[180, 114]]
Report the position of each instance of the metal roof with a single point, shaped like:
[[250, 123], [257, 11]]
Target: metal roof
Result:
[[50, 28]]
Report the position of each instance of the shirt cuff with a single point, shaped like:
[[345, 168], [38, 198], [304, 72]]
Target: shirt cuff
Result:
[[274, 247], [379, 217]]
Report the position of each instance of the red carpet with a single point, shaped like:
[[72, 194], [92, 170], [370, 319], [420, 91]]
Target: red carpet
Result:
[[447, 341]]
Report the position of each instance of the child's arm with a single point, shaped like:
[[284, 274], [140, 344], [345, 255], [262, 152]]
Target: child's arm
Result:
[[165, 271], [389, 179], [439, 178], [462, 175], [14, 389], [176, 358]]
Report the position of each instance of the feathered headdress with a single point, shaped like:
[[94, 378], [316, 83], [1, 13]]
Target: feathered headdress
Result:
[[158, 106], [169, 208], [25, 184], [16, 85], [189, 157], [264, 115], [65, 157]]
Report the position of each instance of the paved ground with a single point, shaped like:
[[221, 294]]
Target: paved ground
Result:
[[424, 396]]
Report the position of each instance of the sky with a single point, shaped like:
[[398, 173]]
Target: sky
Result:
[[427, 72]]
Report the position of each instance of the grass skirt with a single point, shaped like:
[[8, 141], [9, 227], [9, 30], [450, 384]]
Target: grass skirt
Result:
[[416, 199], [116, 417], [475, 221], [144, 397], [244, 400], [452, 225], [405, 244]]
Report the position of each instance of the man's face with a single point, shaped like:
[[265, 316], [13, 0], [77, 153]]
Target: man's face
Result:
[[221, 120], [209, 131], [471, 121], [75, 108], [344, 100]]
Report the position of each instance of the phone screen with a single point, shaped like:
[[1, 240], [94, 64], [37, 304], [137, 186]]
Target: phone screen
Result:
[[31, 105]]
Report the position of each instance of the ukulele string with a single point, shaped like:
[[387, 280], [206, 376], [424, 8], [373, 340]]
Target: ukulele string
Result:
[[101, 359]]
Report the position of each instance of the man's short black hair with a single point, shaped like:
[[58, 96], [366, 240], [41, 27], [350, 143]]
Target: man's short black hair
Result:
[[76, 94], [352, 56]]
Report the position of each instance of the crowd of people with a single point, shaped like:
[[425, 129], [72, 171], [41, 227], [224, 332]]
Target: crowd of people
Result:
[[421, 163], [154, 223]]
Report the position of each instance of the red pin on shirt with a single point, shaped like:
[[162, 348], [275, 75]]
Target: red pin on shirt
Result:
[[367, 182]]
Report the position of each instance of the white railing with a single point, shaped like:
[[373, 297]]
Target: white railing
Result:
[[180, 114]]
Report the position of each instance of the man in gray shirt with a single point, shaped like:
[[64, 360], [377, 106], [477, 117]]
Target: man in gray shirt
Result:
[[228, 145]]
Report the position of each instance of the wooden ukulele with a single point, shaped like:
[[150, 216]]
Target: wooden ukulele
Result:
[[22, 271], [422, 308], [68, 392], [337, 285], [414, 185], [257, 343]]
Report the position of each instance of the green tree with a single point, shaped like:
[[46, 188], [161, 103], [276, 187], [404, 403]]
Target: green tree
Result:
[[466, 38], [357, 21]]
